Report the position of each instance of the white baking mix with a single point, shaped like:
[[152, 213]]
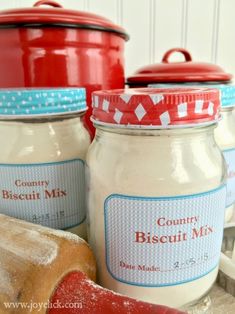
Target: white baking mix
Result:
[[156, 200], [44, 145]]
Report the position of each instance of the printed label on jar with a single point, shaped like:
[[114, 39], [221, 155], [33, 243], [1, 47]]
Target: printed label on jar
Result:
[[51, 194], [229, 156], [163, 241]]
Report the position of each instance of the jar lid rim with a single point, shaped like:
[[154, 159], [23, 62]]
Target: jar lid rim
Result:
[[39, 102], [227, 90], [156, 107]]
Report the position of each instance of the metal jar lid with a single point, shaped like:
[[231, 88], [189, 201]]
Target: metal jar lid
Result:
[[156, 108], [28, 103]]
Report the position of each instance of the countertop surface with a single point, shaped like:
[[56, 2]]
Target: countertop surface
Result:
[[223, 303]]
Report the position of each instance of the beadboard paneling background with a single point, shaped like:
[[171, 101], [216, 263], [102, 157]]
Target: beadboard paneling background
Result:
[[205, 27]]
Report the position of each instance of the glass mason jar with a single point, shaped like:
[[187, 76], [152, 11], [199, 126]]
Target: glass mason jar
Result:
[[224, 134], [43, 147], [225, 137], [157, 193]]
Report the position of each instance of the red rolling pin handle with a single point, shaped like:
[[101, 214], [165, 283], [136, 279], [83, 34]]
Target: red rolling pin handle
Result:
[[76, 294]]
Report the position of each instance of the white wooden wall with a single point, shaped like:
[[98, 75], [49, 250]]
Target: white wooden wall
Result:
[[205, 27]]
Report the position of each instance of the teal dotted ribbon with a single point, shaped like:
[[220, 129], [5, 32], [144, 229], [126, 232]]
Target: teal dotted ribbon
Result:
[[227, 95], [41, 102]]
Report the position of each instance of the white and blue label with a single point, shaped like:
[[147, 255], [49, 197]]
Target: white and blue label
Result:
[[163, 241], [229, 156], [50, 194]]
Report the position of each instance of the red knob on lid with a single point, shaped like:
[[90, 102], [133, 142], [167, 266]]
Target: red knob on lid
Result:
[[47, 2], [185, 52]]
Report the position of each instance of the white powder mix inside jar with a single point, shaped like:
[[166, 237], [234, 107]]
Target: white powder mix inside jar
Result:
[[156, 193], [42, 161]]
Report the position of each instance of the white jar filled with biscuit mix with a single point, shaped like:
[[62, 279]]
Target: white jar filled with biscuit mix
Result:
[[43, 146], [225, 138], [224, 134], [157, 193]]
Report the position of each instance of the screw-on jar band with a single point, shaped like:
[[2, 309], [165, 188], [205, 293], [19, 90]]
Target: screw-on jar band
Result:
[[41, 102], [151, 108]]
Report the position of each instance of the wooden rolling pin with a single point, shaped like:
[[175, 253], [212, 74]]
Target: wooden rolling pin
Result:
[[33, 261], [49, 271]]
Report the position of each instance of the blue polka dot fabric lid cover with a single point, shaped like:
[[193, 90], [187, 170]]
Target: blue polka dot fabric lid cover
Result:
[[41, 102]]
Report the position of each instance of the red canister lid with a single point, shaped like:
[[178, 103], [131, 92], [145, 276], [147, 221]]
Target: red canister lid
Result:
[[156, 107], [55, 15], [186, 71]]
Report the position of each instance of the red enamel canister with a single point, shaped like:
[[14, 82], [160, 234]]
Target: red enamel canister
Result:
[[56, 47]]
